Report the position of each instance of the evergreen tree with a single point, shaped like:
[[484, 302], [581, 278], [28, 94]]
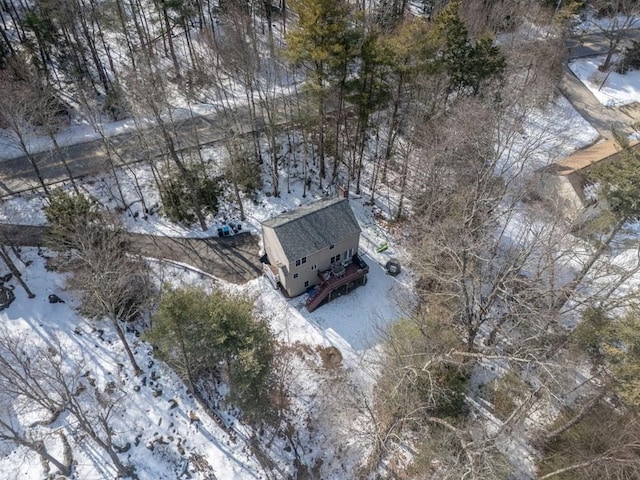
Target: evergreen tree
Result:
[[66, 214], [613, 346], [322, 41], [469, 64], [196, 333], [619, 181]]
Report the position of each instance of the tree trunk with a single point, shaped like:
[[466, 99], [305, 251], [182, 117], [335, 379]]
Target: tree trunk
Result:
[[568, 290], [116, 324], [584, 411], [6, 258]]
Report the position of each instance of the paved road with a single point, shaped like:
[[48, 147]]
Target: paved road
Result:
[[603, 119], [234, 259], [591, 44], [17, 175]]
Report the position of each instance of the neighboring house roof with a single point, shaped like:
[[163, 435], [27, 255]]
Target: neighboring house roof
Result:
[[586, 157], [576, 166], [315, 226]]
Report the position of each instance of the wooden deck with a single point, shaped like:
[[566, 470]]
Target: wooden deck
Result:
[[353, 276]]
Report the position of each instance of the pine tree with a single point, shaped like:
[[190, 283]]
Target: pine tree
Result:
[[322, 41], [469, 64], [619, 181], [197, 333]]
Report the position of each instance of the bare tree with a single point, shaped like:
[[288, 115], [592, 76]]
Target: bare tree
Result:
[[29, 376], [150, 100], [41, 382], [94, 408], [36, 442], [622, 16], [114, 282]]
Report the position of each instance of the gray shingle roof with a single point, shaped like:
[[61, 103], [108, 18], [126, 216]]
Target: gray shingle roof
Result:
[[312, 227]]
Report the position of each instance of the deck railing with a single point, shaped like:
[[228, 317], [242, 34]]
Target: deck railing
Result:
[[357, 269]]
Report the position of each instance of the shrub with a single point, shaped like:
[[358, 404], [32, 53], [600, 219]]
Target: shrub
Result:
[[603, 445], [505, 393], [437, 390]]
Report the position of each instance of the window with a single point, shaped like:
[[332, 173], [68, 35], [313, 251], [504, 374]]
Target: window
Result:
[[297, 263], [304, 260], [333, 259], [295, 275], [313, 267], [331, 247], [306, 284], [337, 257]]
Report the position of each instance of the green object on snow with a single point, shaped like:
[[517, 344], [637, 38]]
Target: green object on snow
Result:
[[382, 247]]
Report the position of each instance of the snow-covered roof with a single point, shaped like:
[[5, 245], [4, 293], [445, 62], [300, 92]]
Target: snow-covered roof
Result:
[[312, 227]]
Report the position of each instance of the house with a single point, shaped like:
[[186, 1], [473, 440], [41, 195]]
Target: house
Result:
[[567, 184], [314, 245]]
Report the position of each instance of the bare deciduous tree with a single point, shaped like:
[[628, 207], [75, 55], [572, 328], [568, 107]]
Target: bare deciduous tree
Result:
[[114, 282]]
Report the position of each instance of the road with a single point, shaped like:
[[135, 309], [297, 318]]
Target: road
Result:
[[603, 119], [234, 259], [17, 175]]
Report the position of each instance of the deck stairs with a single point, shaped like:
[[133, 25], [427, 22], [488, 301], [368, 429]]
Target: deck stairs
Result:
[[338, 278]]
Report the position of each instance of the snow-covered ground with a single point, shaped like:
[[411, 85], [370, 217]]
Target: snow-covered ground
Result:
[[589, 22], [158, 430], [610, 88], [158, 426]]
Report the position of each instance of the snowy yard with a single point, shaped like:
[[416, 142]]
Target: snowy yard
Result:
[[153, 413]]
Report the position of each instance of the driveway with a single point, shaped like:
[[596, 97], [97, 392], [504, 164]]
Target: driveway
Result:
[[604, 120], [234, 259]]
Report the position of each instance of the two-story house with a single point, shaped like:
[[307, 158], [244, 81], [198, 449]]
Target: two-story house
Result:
[[306, 246]]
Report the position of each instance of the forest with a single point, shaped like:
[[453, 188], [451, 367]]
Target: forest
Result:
[[509, 348]]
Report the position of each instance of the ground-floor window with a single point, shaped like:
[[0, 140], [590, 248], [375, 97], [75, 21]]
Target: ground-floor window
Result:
[[306, 284]]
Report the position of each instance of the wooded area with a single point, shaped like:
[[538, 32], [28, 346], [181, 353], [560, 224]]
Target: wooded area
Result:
[[525, 334]]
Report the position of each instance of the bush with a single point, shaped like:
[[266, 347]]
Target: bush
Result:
[[605, 434], [434, 391], [178, 198], [505, 393], [630, 59]]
